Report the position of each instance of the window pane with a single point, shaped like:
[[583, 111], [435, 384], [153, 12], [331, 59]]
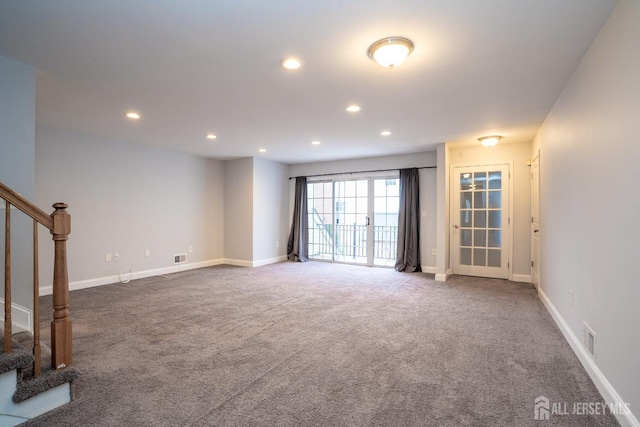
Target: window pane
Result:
[[480, 219], [480, 200], [363, 188], [495, 199], [495, 180], [465, 218], [393, 187], [393, 204], [361, 204], [480, 257], [465, 181], [379, 187], [465, 200], [350, 188], [493, 260], [495, 238], [379, 204], [479, 238], [480, 180], [495, 219], [465, 256], [465, 237], [350, 205]]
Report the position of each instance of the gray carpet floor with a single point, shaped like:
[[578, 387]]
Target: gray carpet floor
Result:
[[317, 344]]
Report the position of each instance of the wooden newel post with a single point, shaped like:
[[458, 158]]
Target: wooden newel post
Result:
[[61, 355]]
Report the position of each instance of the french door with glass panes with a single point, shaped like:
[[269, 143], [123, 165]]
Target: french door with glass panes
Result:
[[480, 217], [354, 221]]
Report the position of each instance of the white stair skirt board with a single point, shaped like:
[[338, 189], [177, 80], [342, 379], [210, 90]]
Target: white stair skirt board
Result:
[[12, 414], [21, 318], [609, 394], [91, 283]]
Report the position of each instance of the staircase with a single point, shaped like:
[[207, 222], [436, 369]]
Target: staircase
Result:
[[34, 378], [24, 396]]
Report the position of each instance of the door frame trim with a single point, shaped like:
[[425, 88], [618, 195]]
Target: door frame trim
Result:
[[509, 165]]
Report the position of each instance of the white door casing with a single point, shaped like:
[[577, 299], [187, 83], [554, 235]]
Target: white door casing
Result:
[[535, 221]]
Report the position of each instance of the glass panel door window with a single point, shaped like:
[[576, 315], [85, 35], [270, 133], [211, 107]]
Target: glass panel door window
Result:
[[480, 204], [354, 221]]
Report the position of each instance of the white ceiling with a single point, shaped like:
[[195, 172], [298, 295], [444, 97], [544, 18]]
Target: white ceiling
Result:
[[194, 66]]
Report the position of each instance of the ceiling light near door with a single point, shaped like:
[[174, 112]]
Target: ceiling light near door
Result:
[[211, 136], [315, 142], [385, 133], [132, 115], [291, 63], [353, 108], [390, 51], [489, 141]]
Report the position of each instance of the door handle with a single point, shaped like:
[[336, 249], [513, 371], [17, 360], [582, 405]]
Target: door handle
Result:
[[456, 226], [367, 220], [535, 231]]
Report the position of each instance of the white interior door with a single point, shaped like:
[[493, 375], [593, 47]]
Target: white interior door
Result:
[[481, 223], [535, 221]]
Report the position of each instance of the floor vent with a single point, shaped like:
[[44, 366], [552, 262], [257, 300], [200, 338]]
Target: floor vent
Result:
[[589, 340], [180, 258]]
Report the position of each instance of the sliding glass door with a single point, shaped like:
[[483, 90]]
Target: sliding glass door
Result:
[[354, 221]]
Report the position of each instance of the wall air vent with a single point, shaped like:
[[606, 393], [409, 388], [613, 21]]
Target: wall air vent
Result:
[[589, 340], [180, 258]]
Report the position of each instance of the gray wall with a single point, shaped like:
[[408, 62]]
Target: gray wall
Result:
[[238, 209], [590, 150], [270, 209], [17, 170], [519, 154], [127, 198], [427, 187]]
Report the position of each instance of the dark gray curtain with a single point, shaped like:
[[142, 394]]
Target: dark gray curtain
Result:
[[299, 236], [408, 257]]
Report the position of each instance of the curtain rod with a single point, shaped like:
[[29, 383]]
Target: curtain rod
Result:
[[351, 173]]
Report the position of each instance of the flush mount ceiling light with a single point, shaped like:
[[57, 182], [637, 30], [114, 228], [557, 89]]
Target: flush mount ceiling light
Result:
[[291, 63], [315, 142], [262, 150], [489, 141], [353, 108], [211, 136], [385, 133], [390, 51], [132, 115]]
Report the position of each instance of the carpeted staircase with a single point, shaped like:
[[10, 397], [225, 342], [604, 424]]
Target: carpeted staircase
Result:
[[23, 396]]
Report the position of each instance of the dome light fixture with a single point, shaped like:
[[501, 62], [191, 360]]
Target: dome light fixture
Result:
[[489, 141], [291, 63], [211, 136], [385, 133], [133, 115], [390, 51]]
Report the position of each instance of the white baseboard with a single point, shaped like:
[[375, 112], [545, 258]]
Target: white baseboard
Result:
[[259, 263], [524, 278], [21, 317], [237, 262], [90, 283], [430, 270], [443, 277], [605, 388], [267, 261]]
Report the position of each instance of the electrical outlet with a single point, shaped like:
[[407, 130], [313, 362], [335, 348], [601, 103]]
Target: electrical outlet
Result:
[[570, 296], [190, 249], [116, 256], [434, 252], [147, 252], [107, 258]]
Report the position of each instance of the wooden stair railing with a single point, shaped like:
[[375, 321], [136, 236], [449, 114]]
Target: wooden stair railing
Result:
[[59, 223]]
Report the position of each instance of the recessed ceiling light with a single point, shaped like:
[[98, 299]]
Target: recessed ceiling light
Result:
[[211, 136], [133, 115], [315, 142], [291, 63], [262, 150], [354, 108], [385, 133]]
